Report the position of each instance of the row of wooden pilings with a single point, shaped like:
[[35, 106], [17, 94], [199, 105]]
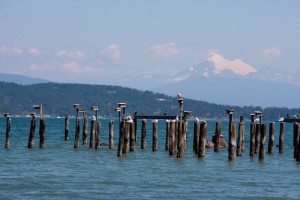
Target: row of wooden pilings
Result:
[[176, 137]]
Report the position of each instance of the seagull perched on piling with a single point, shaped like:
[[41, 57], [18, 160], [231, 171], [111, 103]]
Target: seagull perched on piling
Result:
[[129, 119]]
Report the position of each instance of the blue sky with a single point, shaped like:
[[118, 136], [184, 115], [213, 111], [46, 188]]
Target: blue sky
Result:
[[107, 41]]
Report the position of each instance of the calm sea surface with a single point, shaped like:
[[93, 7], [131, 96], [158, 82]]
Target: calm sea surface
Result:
[[61, 172]]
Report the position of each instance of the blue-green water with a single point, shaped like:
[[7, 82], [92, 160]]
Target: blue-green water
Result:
[[61, 172]]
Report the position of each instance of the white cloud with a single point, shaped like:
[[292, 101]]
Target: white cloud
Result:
[[33, 51], [79, 55], [72, 67], [164, 50], [236, 65], [111, 52], [13, 49], [271, 52]]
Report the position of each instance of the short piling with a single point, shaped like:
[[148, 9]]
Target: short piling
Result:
[[167, 135], [121, 138], [180, 141], [126, 137], [202, 140], [296, 139], [155, 136], [8, 125], [262, 141], [172, 139], [240, 136], [271, 137], [97, 142], [111, 134], [67, 127], [232, 142], [42, 133], [217, 137], [257, 138], [31, 132], [132, 137], [85, 130], [144, 130], [196, 136], [252, 138], [281, 137], [77, 133], [92, 134]]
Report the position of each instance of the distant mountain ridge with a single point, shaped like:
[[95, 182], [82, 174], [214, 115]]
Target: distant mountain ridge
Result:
[[21, 79]]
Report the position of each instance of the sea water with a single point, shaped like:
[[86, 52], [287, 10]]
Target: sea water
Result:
[[61, 172]]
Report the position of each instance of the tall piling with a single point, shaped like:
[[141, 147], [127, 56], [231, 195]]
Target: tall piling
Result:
[[296, 139], [232, 142], [111, 134], [97, 142], [281, 136], [7, 135], [167, 135], [196, 136], [252, 138], [31, 132], [77, 133], [180, 141], [202, 140], [257, 138], [67, 127], [132, 137], [42, 133], [154, 135], [172, 139], [144, 130], [85, 130], [217, 137], [271, 137], [126, 137], [262, 141], [240, 136], [121, 138], [92, 134]]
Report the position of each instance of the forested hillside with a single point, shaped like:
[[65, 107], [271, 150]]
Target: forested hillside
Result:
[[58, 99]]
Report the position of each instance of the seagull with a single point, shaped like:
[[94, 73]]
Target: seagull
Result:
[[94, 118], [129, 119], [179, 95], [197, 119], [155, 120]]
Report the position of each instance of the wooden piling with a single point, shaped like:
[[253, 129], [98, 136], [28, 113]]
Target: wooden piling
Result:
[[281, 136], [42, 133], [111, 134], [92, 134], [67, 127], [144, 130], [217, 137], [240, 136], [232, 142], [296, 139], [85, 130], [167, 134], [77, 133], [202, 140], [132, 137], [257, 138], [155, 136], [8, 125], [121, 138], [196, 136], [172, 140], [262, 141], [271, 137], [31, 133], [252, 138], [180, 141], [126, 137], [97, 142]]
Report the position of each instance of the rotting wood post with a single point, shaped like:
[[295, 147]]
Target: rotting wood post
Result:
[[111, 134], [271, 137], [262, 141], [180, 140], [196, 136], [85, 130], [217, 137], [126, 137], [67, 127], [155, 135], [31, 133], [121, 138], [281, 136], [296, 139], [144, 130], [97, 141], [172, 140], [232, 142], [42, 133], [8, 125], [240, 136], [177, 127], [77, 133], [185, 134], [132, 137], [252, 138], [257, 138], [92, 134], [167, 134], [202, 140]]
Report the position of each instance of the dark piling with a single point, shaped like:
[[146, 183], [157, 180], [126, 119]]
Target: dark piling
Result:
[[167, 135], [262, 142], [271, 137], [77, 133], [202, 140], [121, 138], [196, 136], [172, 139], [111, 134], [67, 127], [240, 145], [281, 136], [144, 130], [42, 133], [217, 137], [92, 134], [97, 142], [31, 132], [132, 137], [7, 135], [85, 130], [232, 142], [155, 135], [252, 138]]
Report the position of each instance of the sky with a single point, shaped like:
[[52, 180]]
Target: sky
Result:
[[122, 42]]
